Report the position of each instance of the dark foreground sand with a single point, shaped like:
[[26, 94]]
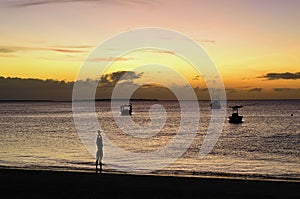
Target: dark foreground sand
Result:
[[31, 184]]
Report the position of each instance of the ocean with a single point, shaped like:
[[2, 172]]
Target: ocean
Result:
[[42, 135]]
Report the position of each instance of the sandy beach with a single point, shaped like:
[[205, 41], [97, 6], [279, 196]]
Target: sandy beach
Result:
[[19, 183]]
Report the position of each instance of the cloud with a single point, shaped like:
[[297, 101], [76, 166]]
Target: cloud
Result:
[[13, 49], [64, 50], [286, 75], [111, 59], [109, 80], [6, 50], [82, 46], [29, 3], [230, 90], [160, 51], [152, 86], [196, 78], [200, 89], [255, 90], [285, 89]]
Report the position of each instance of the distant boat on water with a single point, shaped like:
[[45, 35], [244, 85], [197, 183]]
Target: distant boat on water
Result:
[[126, 109], [215, 102], [235, 117]]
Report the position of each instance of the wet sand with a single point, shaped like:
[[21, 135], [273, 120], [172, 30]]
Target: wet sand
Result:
[[18, 183]]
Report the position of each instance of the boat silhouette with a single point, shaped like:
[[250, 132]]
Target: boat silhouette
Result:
[[235, 117], [126, 109]]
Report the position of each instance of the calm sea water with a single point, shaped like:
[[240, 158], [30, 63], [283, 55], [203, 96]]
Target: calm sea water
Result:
[[43, 136]]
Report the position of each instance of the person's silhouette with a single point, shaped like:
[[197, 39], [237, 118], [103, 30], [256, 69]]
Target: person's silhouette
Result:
[[130, 108], [99, 153]]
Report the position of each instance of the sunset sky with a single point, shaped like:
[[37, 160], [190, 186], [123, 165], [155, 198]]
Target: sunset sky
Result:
[[254, 44]]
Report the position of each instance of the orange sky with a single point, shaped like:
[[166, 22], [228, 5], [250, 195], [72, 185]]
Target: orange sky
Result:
[[254, 44]]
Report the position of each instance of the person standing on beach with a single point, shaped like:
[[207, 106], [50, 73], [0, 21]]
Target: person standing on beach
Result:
[[130, 108], [99, 153]]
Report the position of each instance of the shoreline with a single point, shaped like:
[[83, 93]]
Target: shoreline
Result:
[[71, 184], [230, 176], [134, 100]]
